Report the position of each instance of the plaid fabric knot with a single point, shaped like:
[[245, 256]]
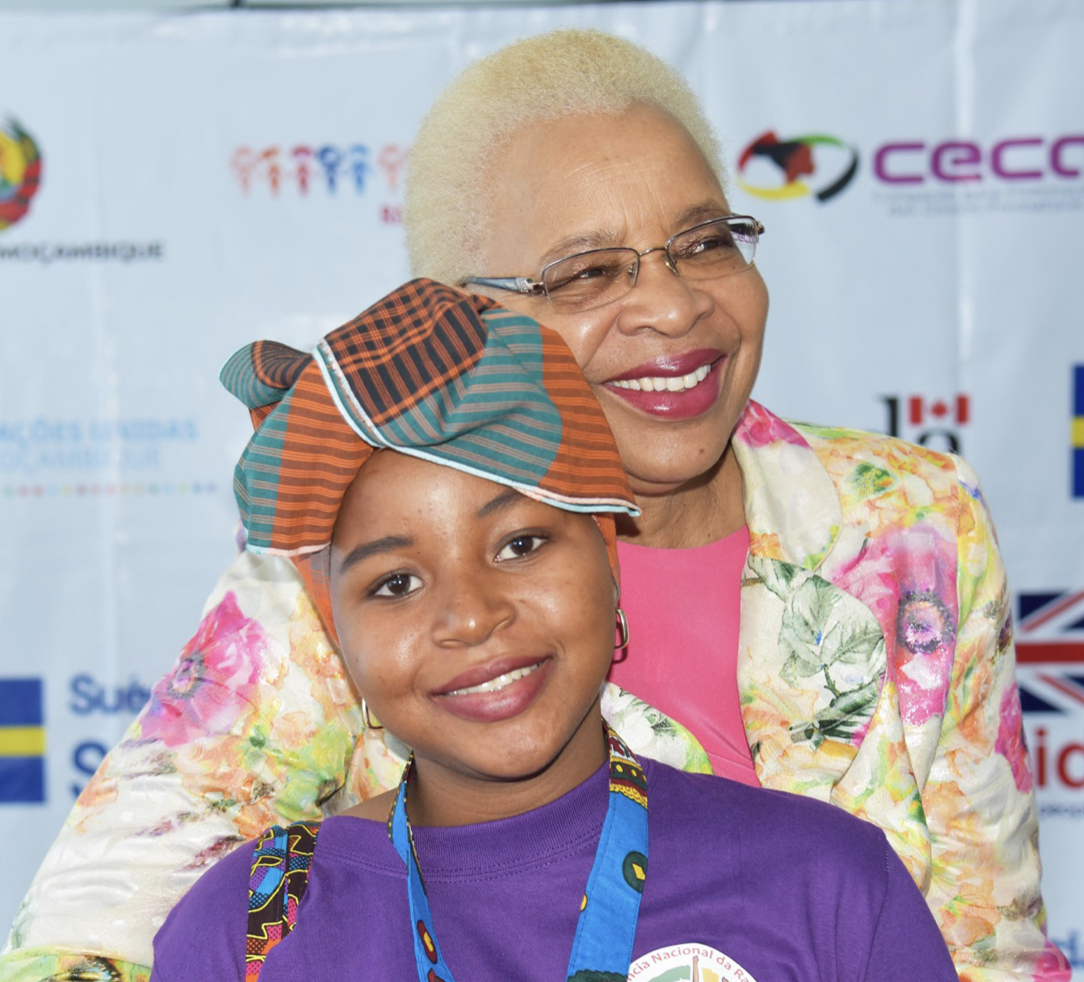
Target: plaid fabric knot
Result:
[[429, 371], [260, 373]]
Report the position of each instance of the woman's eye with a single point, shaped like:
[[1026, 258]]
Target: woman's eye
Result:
[[396, 585], [520, 546], [712, 243], [595, 272], [577, 272]]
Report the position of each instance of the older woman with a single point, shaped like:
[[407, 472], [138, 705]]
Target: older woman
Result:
[[824, 609]]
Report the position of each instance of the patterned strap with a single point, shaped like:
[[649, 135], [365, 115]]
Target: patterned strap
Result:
[[606, 928], [280, 874]]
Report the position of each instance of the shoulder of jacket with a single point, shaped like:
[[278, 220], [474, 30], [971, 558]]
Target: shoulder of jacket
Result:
[[838, 445]]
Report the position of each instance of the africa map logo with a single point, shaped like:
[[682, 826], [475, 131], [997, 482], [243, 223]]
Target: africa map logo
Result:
[[20, 172], [794, 159]]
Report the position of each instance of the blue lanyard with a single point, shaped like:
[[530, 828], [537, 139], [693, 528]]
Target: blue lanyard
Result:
[[606, 927]]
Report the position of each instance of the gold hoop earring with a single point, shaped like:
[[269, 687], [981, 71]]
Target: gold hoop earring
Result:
[[623, 627], [367, 719]]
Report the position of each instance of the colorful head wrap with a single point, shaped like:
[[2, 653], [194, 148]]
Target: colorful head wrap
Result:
[[430, 372]]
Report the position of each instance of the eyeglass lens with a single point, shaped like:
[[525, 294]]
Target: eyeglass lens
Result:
[[595, 278]]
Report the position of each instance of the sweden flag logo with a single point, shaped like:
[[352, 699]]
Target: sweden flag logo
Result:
[[22, 741], [1077, 432]]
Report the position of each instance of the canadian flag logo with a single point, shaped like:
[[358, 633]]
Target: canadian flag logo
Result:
[[922, 411], [934, 423]]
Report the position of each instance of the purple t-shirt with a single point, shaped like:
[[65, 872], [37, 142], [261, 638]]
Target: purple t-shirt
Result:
[[756, 885]]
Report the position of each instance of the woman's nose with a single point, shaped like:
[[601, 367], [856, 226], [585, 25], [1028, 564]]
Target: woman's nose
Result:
[[470, 613], [662, 300]]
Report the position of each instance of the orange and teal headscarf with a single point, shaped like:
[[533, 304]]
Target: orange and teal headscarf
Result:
[[430, 372]]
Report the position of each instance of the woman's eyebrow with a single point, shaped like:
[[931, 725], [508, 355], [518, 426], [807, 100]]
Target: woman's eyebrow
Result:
[[582, 242], [704, 212], [502, 500], [367, 549]]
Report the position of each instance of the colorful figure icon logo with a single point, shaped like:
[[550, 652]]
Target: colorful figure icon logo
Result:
[[335, 167], [20, 172], [794, 158]]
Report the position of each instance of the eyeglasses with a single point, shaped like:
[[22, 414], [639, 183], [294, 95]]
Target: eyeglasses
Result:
[[591, 279]]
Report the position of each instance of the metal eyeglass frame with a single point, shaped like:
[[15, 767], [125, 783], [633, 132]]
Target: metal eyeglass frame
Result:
[[534, 288]]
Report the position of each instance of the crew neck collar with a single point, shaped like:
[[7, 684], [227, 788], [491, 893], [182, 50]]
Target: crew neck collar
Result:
[[569, 823]]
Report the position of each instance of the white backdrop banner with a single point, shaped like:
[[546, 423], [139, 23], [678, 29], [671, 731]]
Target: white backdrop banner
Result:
[[172, 187]]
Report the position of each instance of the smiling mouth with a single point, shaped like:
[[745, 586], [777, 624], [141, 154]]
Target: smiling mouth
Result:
[[665, 383], [495, 684]]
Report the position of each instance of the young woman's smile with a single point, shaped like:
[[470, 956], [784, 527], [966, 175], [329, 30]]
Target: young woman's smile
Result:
[[477, 623], [507, 688]]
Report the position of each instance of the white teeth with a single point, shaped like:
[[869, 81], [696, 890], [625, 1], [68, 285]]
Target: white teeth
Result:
[[666, 383], [494, 685]]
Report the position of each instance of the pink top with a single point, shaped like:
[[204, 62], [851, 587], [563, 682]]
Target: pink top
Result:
[[687, 601]]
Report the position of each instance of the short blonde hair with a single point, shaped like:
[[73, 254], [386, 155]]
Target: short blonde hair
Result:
[[550, 76]]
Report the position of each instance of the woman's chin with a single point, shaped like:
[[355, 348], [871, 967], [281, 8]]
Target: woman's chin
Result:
[[531, 755], [660, 479], [660, 460]]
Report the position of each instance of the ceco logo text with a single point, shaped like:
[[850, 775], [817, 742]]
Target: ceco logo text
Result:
[[1018, 158]]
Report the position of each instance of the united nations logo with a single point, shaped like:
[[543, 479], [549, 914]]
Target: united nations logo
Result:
[[20, 172]]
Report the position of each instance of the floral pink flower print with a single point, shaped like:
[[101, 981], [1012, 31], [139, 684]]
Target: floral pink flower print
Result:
[[1010, 739], [212, 689], [901, 577], [759, 428]]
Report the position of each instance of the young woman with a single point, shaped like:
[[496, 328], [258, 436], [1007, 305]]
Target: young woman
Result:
[[469, 573]]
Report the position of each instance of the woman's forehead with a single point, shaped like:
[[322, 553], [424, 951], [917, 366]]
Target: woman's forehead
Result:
[[594, 181], [400, 485]]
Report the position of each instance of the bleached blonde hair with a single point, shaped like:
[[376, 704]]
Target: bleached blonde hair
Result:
[[538, 79]]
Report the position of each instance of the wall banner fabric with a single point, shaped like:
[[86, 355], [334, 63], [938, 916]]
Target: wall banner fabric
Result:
[[173, 186]]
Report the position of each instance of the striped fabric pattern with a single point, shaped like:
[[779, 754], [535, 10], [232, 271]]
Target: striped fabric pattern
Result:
[[431, 372]]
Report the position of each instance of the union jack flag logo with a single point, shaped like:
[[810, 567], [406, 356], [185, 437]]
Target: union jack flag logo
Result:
[[1050, 651]]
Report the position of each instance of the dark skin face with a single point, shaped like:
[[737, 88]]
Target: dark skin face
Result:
[[636, 180], [479, 625]]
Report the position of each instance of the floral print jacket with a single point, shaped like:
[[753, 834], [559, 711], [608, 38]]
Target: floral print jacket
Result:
[[875, 670]]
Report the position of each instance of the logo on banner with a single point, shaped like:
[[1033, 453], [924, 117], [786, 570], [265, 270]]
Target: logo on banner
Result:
[[22, 741], [333, 169], [1058, 762], [1076, 434], [956, 161], [690, 960], [933, 423], [45, 457], [90, 695], [916, 176], [20, 180], [793, 159], [1050, 628], [1028, 172], [20, 172]]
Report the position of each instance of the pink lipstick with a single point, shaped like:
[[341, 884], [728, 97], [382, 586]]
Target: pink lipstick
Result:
[[497, 690], [679, 387]]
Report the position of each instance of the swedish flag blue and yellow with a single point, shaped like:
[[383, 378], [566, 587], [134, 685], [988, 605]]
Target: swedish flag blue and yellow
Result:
[[22, 741]]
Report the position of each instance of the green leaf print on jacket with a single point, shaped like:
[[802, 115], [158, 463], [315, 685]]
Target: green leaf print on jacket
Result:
[[822, 633]]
